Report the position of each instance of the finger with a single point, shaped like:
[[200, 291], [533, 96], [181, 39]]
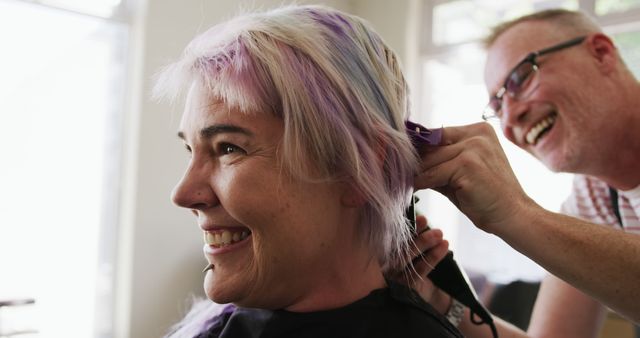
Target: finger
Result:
[[421, 224], [478, 137], [427, 262], [451, 135], [485, 145], [438, 253], [425, 242], [439, 174], [426, 239], [437, 155]]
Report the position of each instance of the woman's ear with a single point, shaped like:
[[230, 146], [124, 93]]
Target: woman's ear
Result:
[[352, 197]]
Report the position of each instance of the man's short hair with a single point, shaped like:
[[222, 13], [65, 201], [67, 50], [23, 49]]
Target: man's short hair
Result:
[[574, 23]]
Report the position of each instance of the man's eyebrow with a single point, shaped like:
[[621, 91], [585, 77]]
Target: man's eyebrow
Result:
[[212, 130]]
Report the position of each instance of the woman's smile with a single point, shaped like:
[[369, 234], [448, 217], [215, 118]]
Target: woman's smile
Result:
[[225, 239]]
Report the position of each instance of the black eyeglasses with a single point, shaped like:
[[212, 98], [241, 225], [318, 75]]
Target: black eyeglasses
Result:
[[518, 84]]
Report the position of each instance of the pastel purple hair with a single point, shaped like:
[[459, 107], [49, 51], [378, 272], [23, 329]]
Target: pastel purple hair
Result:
[[340, 93]]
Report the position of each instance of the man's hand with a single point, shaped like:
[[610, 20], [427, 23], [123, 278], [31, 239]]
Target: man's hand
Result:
[[471, 169], [429, 249]]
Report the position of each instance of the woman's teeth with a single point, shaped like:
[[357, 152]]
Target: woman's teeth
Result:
[[539, 129], [222, 238]]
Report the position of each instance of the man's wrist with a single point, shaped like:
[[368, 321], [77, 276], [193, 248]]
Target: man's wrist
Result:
[[441, 301]]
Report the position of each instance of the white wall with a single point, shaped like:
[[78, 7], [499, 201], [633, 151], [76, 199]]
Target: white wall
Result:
[[389, 19], [161, 257]]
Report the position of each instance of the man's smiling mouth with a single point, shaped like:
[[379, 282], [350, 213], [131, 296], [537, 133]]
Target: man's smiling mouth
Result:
[[540, 129]]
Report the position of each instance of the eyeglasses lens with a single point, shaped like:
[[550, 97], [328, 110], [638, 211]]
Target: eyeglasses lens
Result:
[[495, 104], [519, 79]]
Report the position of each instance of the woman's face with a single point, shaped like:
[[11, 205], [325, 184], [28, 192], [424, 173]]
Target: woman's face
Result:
[[271, 237]]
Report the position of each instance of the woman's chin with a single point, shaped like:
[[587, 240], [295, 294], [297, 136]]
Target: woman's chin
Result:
[[225, 292], [219, 297], [215, 291]]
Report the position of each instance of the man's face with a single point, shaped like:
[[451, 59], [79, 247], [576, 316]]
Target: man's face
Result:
[[559, 119]]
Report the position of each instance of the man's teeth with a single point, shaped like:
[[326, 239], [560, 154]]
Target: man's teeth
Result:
[[538, 129], [224, 237]]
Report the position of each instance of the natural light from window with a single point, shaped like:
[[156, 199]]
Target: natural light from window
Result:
[[60, 108]]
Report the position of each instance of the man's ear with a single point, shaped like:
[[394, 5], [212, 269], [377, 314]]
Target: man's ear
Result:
[[602, 48]]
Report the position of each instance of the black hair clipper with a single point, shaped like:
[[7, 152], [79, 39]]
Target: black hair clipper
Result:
[[450, 278], [447, 275]]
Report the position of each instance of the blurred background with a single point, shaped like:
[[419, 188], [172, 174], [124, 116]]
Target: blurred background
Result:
[[90, 244]]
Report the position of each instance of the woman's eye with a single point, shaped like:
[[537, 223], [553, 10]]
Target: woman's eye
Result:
[[228, 148]]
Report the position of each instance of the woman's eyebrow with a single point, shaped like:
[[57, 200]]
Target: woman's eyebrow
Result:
[[215, 129]]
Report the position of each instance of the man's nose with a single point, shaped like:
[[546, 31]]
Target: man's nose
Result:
[[513, 110]]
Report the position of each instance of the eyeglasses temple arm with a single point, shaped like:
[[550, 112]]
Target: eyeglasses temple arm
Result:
[[563, 45]]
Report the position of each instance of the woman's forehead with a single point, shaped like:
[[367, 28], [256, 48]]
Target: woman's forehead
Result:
[[201, 113], [199, 109]]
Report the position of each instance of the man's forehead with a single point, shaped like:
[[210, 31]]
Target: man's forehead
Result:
[[532, 32], [512, 46]]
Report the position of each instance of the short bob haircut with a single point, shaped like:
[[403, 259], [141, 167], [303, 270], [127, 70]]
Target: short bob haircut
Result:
[[340, 93]]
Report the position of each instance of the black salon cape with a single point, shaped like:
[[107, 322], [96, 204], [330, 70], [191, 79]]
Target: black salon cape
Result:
[[396, 311]]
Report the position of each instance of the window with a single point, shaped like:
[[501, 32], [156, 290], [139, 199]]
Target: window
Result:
[[61, 100], [615, 6], [452, 93]]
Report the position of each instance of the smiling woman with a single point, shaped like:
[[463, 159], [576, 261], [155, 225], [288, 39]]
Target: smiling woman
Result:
[[299, 176]]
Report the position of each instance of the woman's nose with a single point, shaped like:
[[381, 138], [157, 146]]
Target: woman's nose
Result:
[[194, 191]]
